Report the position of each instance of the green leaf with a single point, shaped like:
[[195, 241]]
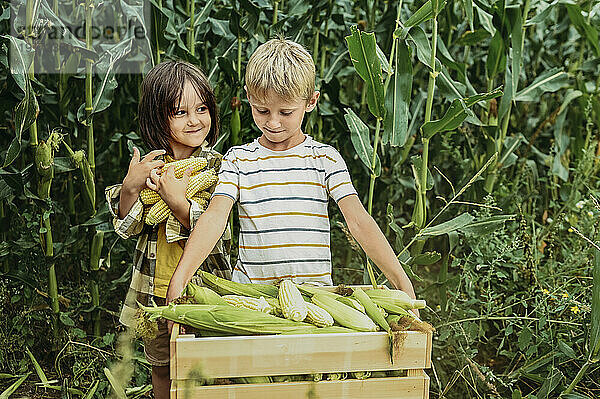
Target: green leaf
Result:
[[555, 376], [496, 56], [456, 114], [27, 110], [359, 134], [594, 344], [417, 163], [524, 338], [117, 388], [549, 81], [487, 225], [423, 14], [471, 38], [566, 349], [37, 367], [66, 320], [398, 98], [514, 15], [15, 385], [363, 53], [584, 28], [426, 258], [448, 226]]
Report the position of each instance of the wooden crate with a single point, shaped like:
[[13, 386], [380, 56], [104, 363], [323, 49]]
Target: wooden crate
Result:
[[246, 356]]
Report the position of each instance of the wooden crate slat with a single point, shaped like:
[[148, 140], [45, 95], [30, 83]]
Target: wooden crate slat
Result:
[[223, 357], [413, 387]]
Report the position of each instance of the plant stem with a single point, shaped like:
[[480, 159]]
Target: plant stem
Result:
[[425, 141], [373, 163], [5, 264], [33, 141], [88, 85], [275, 9], [156, 31], [191, 33]]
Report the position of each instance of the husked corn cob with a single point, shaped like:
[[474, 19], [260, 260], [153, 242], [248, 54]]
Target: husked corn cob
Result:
[[250, 303], [373, 311], [203, 194], [196, 164], [200, 181], [318, 316], [292, 304], [343, 314], [158, 213], [149, 197]]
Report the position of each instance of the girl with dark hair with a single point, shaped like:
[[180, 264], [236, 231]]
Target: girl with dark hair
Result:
[[178, 119]]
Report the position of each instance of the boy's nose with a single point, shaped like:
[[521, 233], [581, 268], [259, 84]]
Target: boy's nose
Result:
[[273, 123]]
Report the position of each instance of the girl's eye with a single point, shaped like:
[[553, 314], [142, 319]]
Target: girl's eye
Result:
[[202, 109], [179, 112]]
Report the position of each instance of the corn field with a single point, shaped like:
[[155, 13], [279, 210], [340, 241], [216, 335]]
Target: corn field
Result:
[[470, 129]]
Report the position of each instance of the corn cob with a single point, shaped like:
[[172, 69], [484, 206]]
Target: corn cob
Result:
[[149, 197], [201, 202], [395, 298], [253, 380], [292, 304], [204, 295], [227, 287], [319, 330], [158, 213], [196, 164], [201, 181], [372, 310], [311, 290], [223, 319], [250, 303], [318, 316], [361, 375], [203, 194], [343, 314], [267, 289]]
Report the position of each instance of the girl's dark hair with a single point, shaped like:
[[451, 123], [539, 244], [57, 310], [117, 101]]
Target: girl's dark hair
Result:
[[162, 89]]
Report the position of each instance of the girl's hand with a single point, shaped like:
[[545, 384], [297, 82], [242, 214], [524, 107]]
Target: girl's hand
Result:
[[139, 170], [170, 188]]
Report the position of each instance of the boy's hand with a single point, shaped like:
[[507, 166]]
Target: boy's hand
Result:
[[170, 188], [139, 170], [173, 292]]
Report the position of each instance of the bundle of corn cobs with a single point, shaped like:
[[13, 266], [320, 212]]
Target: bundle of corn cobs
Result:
[[157, 211], [224, 307]]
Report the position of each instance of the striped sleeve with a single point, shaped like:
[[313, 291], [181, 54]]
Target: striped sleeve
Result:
[[337, 177], [229, 178]]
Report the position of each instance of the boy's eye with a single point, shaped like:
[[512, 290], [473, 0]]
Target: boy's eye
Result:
[[262, 111], [287, 113]]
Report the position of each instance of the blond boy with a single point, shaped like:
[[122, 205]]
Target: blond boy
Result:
[[281, 182]]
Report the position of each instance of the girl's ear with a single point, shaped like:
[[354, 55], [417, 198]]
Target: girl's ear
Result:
[[312, 103]]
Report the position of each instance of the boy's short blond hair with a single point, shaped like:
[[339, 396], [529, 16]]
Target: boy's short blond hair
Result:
[[281, 66]]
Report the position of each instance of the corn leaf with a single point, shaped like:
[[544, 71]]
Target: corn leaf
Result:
[[496, 56], [423, 14], [486, 225], [37, 367], [585, 29], [549, 81], [514, 15], [359, 134], [363, 53], [14, 386], [398, 98], [456, 114], [117, 388], [90, 393], [448, 227]]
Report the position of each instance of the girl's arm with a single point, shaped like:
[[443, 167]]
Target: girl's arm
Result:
[[368, 234], [204, 236], [135, 180]]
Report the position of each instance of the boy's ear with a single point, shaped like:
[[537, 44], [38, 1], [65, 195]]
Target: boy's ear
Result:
[[312, 103]]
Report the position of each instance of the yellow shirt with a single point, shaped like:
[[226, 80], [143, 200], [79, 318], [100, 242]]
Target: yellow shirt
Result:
[[167, 258]]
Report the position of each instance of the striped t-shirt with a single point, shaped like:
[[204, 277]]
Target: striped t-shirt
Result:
[[282, 200]]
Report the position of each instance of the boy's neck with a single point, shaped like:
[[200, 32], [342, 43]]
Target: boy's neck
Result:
[[284, 145]]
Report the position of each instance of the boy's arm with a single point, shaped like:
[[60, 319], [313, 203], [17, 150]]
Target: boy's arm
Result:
[[368, 234], [207, 231]]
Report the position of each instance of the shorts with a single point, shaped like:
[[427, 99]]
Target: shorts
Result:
[[157, 350]]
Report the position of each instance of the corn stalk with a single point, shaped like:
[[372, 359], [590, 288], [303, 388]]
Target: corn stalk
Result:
[[89, 5], [191, 7], [29, 11]]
